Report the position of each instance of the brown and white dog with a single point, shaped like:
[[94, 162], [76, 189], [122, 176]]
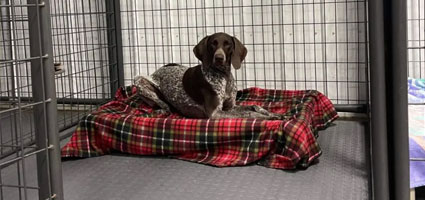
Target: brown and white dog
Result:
[[208, 90]]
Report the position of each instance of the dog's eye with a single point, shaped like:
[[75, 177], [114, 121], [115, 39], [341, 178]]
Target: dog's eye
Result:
[[215, 43]]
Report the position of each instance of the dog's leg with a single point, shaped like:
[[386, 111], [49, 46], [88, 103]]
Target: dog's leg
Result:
[[228, 104], [247, 112], [211, 102]]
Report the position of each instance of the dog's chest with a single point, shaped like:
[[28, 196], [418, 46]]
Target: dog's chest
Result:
[[218, 82]]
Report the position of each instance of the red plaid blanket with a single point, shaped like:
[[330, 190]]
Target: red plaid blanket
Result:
[[127, 125]]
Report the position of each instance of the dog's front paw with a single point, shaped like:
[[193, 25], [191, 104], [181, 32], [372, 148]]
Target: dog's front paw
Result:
[[259, 109]]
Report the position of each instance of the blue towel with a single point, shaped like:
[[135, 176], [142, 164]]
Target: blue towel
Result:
[[416, 89]]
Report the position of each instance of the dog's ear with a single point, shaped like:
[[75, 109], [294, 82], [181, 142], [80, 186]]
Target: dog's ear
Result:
[[239, 53], [200, 51]]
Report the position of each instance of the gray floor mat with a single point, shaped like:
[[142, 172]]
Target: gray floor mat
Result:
[[10, 134], [342, 173]]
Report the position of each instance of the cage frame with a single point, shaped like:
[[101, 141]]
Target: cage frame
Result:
[[389, 142]]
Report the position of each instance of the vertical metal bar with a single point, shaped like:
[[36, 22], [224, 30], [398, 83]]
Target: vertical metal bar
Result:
[[115, 52], [102, 38], [419, 37], [18, 117], [273, 46], [421, 75], [137, 46], [347, 42], [241, 17], [162, 32], [154, 35], [85, 45], [130, 33], [314, 47], [94, 47], [4, 26], [146, 36], [395, 15], [366, 52], [79, 82], [1, 187], [43, 87], [324, 47], [282, 42], [170, 32], [71, 57], [294, 58], [262, 44], [380, 181], [304, 52], [336, 52], [254, 62]]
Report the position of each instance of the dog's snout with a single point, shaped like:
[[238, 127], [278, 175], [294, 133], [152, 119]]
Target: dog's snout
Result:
[[219, 56]]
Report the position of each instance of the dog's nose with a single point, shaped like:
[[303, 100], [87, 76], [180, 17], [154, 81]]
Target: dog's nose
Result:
[[219, 57]]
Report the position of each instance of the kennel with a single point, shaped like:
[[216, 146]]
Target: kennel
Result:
[[61, 59]]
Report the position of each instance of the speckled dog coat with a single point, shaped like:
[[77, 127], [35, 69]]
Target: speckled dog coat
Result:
[[207, 90]]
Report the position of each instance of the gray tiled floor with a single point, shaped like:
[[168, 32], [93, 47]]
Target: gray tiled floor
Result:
[[342, 173]]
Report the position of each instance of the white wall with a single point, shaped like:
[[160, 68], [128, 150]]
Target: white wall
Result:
[[292, 44], [416, 38], [296, 44], [80, 44]]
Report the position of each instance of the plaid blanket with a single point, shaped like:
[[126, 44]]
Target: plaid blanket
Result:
[[128, 125]]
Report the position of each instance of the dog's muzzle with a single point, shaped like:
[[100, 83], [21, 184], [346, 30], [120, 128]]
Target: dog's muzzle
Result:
[[219, 57]]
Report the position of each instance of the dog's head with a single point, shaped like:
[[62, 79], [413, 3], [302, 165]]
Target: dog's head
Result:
[[219, 51]]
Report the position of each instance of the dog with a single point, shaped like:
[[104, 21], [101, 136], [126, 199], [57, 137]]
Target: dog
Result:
[[208, 90]]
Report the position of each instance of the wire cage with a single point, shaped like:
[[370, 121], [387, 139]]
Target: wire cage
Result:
[[416, 38], [28, 102], [87, 49], [292, 44], [416, 52], [75, 62]]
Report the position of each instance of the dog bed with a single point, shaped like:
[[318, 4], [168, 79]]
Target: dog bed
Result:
[[129, 125]]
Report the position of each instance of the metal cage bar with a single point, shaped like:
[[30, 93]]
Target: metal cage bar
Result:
[[318, 45], [396, 39], [49, 168], [28, 109], [81, 53], [115, 42], [380, 179], [87, 56], [390, 146]]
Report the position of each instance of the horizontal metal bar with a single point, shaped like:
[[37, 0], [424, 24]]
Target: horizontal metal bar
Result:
[[19, 186], [78, 13], [248, 25], [23, 5], [415, 47], [24, 60], [247, 6], [24, 106], [4, 164], [82, 101], [355, 108], [20, 19], [260, 62], [8, 153], [16, 146], [416, 104], [417, 159], [59, 101], [67, 132], [247, 43]]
